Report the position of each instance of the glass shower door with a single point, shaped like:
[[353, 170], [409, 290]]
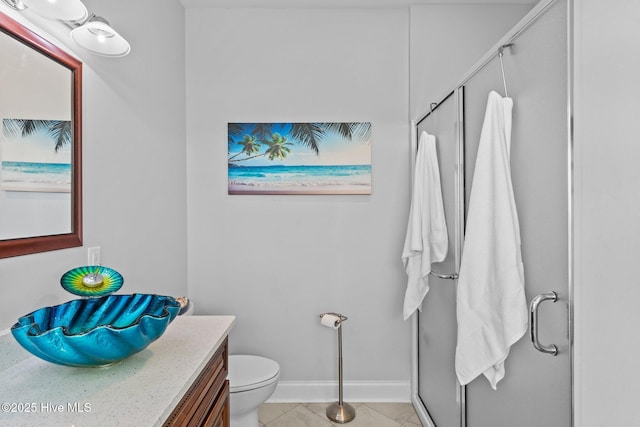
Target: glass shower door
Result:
[[437, 327], [536, 390]]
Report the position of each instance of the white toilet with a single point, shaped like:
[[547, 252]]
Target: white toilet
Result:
[[252, 380]]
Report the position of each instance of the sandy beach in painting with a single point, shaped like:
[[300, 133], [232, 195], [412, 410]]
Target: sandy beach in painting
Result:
[[41, 187], [328, 189]]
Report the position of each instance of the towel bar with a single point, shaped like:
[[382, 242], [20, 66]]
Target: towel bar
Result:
[[452, 276]]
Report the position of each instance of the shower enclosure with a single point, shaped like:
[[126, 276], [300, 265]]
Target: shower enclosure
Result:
[[537, 388]]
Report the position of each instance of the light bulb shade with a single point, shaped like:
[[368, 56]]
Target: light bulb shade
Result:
[[15, 4], [64, 10], [99, 38]]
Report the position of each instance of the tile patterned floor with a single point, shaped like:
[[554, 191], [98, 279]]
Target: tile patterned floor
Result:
[[313, 415]]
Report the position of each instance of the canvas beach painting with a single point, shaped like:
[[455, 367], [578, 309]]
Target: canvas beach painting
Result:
[[299, 158], [36, 155]]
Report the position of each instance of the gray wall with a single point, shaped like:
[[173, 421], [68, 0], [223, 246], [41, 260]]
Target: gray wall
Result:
[[134, 163], [447, 40], [607, 212], [276, 262]]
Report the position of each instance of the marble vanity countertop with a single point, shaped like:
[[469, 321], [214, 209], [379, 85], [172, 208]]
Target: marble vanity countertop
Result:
[[140, 391]]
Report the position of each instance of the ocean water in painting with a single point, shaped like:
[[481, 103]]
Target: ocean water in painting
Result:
[[36, 173], [300, 178]]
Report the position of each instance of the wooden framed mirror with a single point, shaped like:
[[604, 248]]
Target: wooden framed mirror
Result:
[[40, 143]]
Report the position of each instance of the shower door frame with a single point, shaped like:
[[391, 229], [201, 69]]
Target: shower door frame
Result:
[[458, 93]]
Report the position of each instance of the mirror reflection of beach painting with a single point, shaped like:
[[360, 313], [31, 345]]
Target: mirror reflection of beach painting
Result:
[[299, 158], [36, 155]]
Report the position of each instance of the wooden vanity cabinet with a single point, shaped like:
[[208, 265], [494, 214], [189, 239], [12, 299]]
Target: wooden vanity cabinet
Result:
[[206, 403]]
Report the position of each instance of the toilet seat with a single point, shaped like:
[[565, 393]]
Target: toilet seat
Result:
[[247, 372]]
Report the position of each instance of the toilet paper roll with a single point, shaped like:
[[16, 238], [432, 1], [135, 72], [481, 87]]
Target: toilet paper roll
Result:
[[330, 321]]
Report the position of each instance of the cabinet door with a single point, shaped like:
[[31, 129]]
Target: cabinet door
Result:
[[207, 400], [219, 415]]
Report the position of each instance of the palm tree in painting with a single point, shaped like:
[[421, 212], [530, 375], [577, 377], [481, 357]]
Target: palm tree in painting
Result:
[[249, 146], [350, 130], [277, 147], [235, 131], [58, 130], [309, 135]]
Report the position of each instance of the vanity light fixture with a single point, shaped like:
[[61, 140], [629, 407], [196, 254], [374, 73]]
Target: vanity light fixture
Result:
[[88, 30], [15, 4], [62, 10], [97, 36]]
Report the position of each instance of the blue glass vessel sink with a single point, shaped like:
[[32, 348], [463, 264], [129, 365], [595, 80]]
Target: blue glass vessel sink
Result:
[[95, 331]]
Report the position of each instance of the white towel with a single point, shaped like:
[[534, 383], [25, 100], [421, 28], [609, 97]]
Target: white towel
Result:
[[491, 303], [426, 240]]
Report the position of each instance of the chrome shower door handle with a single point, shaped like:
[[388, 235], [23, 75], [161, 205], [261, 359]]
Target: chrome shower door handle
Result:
[[533, 322]]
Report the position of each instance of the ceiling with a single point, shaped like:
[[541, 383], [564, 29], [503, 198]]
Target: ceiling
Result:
[[333, 4]]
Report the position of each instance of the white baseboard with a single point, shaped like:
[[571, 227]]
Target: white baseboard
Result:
[[353, 391]]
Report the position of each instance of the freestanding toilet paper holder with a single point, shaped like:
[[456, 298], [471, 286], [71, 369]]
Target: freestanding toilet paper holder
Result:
[[339, 412]]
